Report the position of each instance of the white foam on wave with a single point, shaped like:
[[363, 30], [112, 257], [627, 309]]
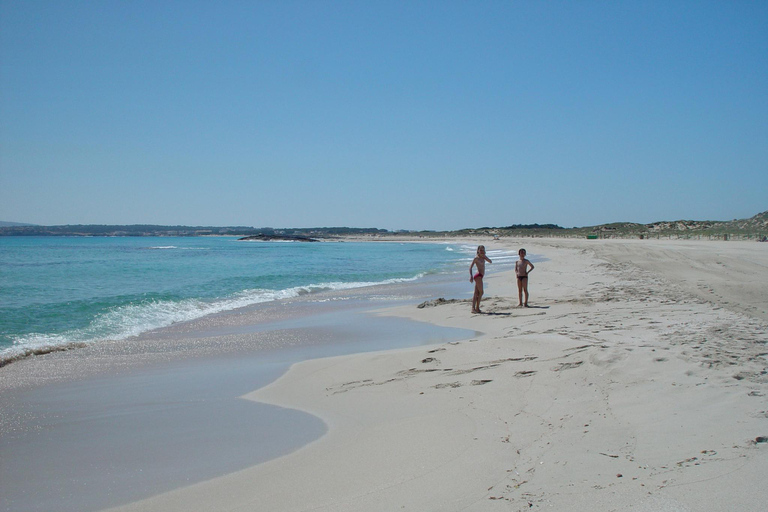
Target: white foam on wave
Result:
[[500, 257], [132, 320], [174, 247]]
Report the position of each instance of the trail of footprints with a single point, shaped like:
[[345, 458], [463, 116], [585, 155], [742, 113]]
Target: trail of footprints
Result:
[[434, 368], [731, 340]]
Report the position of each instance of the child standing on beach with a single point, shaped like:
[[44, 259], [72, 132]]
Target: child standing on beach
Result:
[[479, 260], [522, 268]]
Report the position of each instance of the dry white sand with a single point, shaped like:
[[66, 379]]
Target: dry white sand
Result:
[[638, 381]]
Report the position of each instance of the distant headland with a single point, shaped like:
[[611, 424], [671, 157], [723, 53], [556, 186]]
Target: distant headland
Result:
[[754, 227]]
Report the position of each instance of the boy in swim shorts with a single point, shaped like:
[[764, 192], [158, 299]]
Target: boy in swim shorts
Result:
[[477, 278], [522, 268]]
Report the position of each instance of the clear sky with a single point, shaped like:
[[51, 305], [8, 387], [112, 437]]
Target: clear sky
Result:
[[392, 114]]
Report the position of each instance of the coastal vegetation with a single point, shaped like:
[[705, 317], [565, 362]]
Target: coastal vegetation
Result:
[[158, 230], [755, 227]]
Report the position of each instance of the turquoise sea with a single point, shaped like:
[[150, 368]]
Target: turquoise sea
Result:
[[57, 292]]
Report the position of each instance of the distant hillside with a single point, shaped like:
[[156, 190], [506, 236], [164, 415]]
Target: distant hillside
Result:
[[757, 223], [8, 224], [754, 227], [156, 230], [113, 230]]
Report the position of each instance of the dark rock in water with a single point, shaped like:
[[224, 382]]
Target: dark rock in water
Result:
[[279, 238]]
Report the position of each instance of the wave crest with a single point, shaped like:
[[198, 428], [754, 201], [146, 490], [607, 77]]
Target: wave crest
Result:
[[133, 319]]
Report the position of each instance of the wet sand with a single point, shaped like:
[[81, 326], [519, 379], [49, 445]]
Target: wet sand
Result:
[[111, 424]]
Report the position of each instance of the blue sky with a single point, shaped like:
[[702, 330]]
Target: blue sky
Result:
[[394, 114]]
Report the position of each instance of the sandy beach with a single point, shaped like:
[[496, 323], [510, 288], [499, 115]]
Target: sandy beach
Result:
[[638, 380], [239, 248]]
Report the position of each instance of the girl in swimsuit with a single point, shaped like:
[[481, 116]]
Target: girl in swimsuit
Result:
[[522, 268], [477, 278]]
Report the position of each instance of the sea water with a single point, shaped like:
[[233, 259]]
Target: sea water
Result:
[[59, 292]]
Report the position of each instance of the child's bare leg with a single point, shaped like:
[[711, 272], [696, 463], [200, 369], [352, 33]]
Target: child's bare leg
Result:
[[525, 290], [519, 292], [478, 294]]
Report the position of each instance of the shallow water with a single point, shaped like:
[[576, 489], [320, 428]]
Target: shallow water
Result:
[[59, 292], [118, 433]]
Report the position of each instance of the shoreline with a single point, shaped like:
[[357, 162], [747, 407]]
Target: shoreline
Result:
[[469, 424], [623, 389], [164, 409], [134, 318]]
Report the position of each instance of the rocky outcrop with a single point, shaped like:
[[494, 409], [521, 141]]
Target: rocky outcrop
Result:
[[279, 238]]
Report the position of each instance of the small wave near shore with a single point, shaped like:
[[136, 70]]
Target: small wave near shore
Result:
[[129, 320]]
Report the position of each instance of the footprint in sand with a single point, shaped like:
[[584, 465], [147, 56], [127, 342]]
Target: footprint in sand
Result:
[[567, 366]]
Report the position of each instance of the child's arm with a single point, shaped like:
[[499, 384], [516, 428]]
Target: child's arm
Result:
[[530, 265], [487, 259], [471, 277]]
